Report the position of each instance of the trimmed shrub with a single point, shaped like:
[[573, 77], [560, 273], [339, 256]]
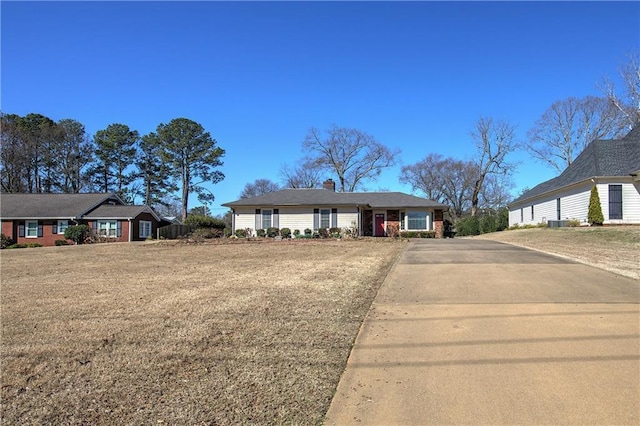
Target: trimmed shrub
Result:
[[241, 233], [286, 232], [261, 233], [61, 243], [77, 233], [201, 221], [273, 232], [323, 233], [502, 221], [418, 234], [296, 233], [308, 232], [595, 216], [5, 241]]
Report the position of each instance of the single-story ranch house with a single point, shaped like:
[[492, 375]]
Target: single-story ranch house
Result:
[[369, 213], [613, 166], [43, 218]]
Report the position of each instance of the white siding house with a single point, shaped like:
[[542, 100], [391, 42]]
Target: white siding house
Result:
[[612, 166], [368, 213]]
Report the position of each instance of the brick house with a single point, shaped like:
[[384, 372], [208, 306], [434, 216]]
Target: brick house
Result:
[[43, 218], [371, 213]]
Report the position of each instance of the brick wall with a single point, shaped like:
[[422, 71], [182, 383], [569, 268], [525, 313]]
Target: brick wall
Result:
[[438, 223]]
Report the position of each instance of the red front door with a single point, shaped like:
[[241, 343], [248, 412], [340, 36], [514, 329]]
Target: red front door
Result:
[[379, 225]]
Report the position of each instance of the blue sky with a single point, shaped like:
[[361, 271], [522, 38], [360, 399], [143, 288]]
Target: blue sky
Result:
[[257, 75]]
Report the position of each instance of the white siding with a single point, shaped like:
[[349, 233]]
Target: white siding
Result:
[[299, 218], [245, 218], [574, 204]]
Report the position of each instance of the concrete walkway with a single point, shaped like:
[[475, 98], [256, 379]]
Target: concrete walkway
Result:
[[479, 332]]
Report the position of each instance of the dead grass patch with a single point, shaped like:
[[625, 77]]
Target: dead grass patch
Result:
[[182, 333], [615, 248]]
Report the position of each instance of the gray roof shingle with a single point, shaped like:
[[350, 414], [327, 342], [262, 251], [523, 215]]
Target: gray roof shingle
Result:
[[50, 206], [118, 212], [610, 158], [325, 197]]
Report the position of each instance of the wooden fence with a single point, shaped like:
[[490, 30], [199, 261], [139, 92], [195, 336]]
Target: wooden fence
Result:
[[174, 231]]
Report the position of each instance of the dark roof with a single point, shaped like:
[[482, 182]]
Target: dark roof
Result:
[[326, 197], [119, 212], [610, 158], [50, 206]]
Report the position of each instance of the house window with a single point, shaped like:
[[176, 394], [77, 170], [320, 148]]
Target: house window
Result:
[[615, 201], [31, 229], [325, 218], [62, 226], [108, 228], [402, 216], [416, 220], [145, 229], [266, 219]]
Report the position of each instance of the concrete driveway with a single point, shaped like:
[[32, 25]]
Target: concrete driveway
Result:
[[480, 332]]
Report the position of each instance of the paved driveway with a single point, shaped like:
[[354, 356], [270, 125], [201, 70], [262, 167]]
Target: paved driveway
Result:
[[480, 332]]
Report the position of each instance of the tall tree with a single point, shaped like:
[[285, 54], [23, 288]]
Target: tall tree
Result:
[[303, 175], [569, 125], [627, 102], [259, 187], [37, 132], [445, 180], [155, 174], [192, 156], [75, 151], [351, 154], [494, 140], [14, 158], [115, 153]]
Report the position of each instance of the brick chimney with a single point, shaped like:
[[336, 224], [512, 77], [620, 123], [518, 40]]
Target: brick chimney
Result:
[[329, 184]]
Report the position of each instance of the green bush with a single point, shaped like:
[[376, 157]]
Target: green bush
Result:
[[323, 233], [201, 221], [469, 225], [5, 241], [273, 232], [488, 224], [24, 245], [335, 232], [308, 232], [296, 233], [286, 232], [77, 233], [417, 234], [61, 243], [595, 216], [241, 233], [261, 233], [502, 222]]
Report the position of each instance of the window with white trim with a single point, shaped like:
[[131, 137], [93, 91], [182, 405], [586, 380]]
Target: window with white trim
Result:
[[325, 218], [145, 229], [31, 229], [402, 217], [62, 226], [266, 219], [615, 201], [108, 228], [416, 221]]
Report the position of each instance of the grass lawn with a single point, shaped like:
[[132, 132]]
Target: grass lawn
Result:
[[614, 248], [156, 333]]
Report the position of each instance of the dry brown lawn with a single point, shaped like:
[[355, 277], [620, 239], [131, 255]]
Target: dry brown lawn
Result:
[[156, 333], [616, 248]]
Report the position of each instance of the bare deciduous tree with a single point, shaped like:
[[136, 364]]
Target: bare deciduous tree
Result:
[[494, 140], [569, 125], [304, 175], [628, 101], [259, 187], [353, 155]]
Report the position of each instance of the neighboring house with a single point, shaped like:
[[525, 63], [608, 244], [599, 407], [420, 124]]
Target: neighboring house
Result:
[[43, 218], [370, 213], [613, 166]]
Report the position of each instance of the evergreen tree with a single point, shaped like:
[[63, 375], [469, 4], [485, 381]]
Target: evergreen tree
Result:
[[595, 216]]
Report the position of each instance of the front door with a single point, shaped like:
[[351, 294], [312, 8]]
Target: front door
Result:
[[379, 225]]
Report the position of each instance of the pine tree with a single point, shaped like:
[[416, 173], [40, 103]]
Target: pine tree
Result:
[[595, 216]]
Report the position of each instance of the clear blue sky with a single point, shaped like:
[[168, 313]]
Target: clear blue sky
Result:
[[257, 75]]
